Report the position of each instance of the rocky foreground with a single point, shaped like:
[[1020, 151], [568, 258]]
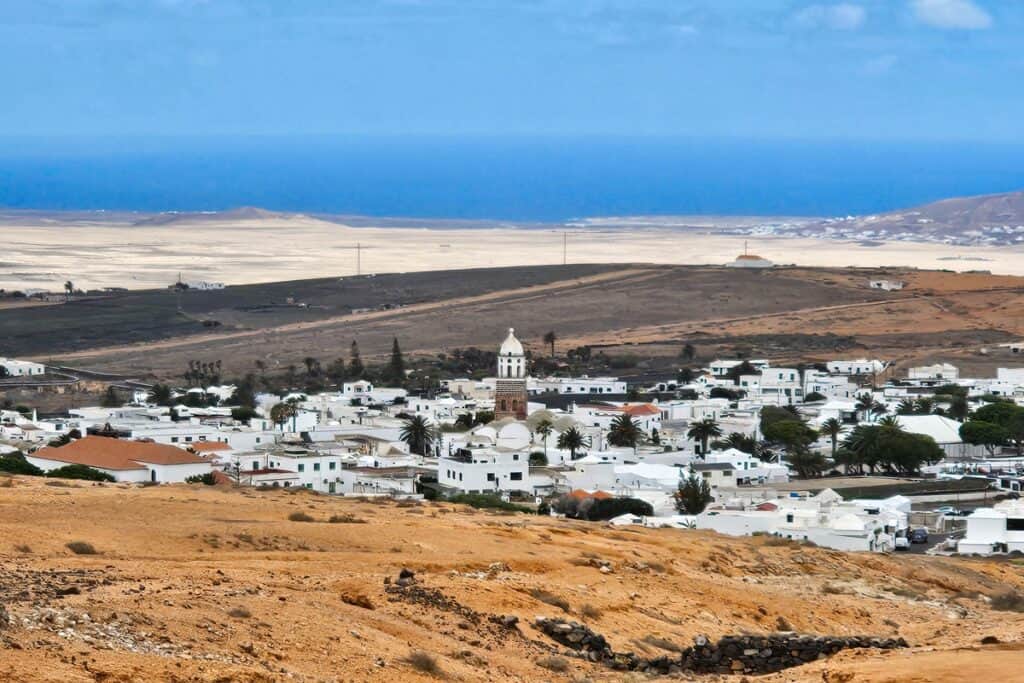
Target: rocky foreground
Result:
[[193, 583]]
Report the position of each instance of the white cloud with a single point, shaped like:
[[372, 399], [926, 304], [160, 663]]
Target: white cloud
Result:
[[951, 14], [842, 17]]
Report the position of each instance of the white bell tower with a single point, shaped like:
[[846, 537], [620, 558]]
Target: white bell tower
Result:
[[511, 359]]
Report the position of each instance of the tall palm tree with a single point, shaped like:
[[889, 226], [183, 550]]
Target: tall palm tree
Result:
[[418, 434], [703, 431], [69, 289], [832, 428], [890, 422], [571, 440], [282, 412], [865, 404], [624, 431], [550, 338], [544, 429]]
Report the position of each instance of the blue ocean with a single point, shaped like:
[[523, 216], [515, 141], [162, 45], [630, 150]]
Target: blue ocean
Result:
[[515, 179]]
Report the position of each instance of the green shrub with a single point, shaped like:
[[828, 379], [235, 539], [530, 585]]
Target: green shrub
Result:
[[207, 479], [82, 472], [487, 501], [15, 463], [300, 517]]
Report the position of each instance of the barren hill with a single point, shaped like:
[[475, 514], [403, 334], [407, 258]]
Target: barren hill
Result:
[[983, 219], [193, 583]]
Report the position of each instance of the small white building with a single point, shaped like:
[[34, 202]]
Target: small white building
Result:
[[860, 366], [939, 371], [887, 285], [21, 368], [483, 470], [998, 529], [135, 461]]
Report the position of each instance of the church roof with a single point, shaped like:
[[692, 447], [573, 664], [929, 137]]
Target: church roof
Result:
[[511, 345]]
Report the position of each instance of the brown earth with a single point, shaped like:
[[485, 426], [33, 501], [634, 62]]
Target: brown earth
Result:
[[786, 314], [194, 583]]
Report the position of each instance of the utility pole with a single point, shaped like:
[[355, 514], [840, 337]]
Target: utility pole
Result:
[[565, 248], [359, 258]]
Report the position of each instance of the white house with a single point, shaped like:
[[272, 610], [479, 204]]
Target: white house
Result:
[[860, 366], [21, 368], [483, 470], [998, 529], [938, 371], [576, 385], [720, 368], [945, 432], [887, 285], [124, 460]]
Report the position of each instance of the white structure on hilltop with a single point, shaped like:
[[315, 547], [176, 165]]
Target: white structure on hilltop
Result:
[[887, 285], [748, 260], [21, 368]]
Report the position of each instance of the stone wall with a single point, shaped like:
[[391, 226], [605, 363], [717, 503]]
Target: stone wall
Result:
[[730, 655]]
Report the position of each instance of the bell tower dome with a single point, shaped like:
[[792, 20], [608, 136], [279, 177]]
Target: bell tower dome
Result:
[[510, 396], [511, 359]]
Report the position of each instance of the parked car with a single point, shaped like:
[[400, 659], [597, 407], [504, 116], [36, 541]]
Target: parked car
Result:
[[902, 543], [919, 535], [949, 511]]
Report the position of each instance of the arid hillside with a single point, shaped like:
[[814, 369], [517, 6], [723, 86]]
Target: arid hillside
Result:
[[785, 314], [193, 583]]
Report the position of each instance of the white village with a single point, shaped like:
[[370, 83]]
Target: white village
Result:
[[846, 454]]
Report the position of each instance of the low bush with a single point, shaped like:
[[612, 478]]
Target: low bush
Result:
[[239, 613], [346, 519], [300, 517], [82, 472], [549, 598], [15, 463], [208, 479], [590, 612], [424, 662], [82, 548], [487, 502], [662, 643]]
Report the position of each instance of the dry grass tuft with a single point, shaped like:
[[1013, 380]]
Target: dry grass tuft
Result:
[[82, 548], [301, 517], [554, 663], [346, 518], [239, 613], [422, 661], [589, 611], [549, 598]]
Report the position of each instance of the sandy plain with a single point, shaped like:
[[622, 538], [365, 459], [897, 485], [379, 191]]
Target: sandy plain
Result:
[[43, 253]]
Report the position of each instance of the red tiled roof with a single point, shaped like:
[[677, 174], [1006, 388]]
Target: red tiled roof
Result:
[[580, 494], [117, 454], [210, 446]]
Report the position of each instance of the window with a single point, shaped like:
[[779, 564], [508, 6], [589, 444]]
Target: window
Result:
[[516, 476], [332, 465], [257, 439], [309, 486], [302, 468], [1015, 523], [188, 438], [174, 439], [789, 519], [316, 467], [460, 476], [515, 456], [255, 464], [490, 476]]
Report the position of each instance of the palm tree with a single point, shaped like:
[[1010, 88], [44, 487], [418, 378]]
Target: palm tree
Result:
[[624, 431], [282, 412], [806, 463], [69, 289], [906, 407], [160, 394], [890, 422], [550, 338], [571, 440], [925, 405], [418, 434], [544, 429], [704, 431], [832, 428], [865, 403]]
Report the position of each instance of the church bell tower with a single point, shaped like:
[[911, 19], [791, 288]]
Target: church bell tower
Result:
[[510, 399]]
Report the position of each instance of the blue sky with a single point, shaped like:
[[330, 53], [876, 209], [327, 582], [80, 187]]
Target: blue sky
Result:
[[858, 69]]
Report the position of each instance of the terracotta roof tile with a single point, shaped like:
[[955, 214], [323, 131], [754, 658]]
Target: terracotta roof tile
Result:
[[117, 454]]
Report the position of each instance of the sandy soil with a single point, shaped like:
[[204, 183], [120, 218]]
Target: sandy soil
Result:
[[192, 583], [43, 253]]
